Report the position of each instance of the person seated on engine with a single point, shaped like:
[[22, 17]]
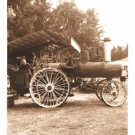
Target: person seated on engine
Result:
[[35, 58], [25, 66]]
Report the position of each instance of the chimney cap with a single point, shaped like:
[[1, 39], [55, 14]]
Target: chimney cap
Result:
[[107, 39]]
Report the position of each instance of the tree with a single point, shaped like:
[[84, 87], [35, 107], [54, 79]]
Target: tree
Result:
[[83, 26], [119, 52], [66, 18], [26, 16], [126, 50]]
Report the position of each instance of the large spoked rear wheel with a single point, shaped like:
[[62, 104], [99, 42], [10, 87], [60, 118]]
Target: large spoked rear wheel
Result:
[[114, 93], [49, 87], [99, 87]]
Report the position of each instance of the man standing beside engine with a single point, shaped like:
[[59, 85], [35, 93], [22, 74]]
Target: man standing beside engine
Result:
[[123, 75]]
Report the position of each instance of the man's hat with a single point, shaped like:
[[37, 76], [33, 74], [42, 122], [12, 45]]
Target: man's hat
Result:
[[23, 57]]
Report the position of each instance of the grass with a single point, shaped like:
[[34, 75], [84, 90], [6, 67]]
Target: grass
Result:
[[83, 114]]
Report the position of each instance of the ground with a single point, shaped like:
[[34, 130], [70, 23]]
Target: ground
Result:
[[82, 114]]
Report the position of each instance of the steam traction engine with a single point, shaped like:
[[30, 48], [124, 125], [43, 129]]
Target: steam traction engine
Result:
[[51, 83]]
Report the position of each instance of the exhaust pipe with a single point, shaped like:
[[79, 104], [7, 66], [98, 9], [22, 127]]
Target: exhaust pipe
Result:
[[107, 49]]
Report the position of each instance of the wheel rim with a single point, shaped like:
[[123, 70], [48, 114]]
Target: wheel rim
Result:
[[49, 87], [70, 58], [114, 93], [100, 86]]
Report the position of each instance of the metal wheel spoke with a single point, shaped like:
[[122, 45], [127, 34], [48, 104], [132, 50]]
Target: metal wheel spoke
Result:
[[50, 95], [76, 59], [39, 85], [42, 78], [68, 53], [73, 54], [67, 62], [45, 93], [58, 93], [59, 88], [55, 79], [37, 89], [99, 87], [109, 98], [76, 56], [46, 75], [64, 57], [38, 81], [51, 76], [54, 96], [107, 89], [58, 79], [40, 90], [72, 62], [60, 85]]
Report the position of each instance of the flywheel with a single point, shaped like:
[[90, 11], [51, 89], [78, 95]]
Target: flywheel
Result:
[[70, 58]]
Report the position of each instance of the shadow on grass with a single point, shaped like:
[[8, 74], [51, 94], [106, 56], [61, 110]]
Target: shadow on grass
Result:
[[83, 103], [66, 104], [78, 100], [24, 105]]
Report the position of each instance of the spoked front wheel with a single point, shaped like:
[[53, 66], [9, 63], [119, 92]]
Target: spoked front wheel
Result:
[[49, 87], [114, 93], [99, 87]]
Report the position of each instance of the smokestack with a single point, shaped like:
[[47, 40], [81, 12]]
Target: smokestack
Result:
[[107, 49]]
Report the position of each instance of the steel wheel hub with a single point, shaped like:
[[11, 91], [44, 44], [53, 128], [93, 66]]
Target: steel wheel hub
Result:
[[49, 87], [114, 93]]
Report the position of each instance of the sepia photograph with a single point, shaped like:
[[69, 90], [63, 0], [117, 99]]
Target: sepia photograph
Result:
[[68, 67]]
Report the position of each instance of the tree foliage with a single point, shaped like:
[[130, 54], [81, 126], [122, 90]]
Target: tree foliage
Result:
[[119, 52], [83, 26], [27, 16]]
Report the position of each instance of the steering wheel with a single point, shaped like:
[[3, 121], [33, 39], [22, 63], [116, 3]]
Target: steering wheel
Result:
[[70, 58]]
